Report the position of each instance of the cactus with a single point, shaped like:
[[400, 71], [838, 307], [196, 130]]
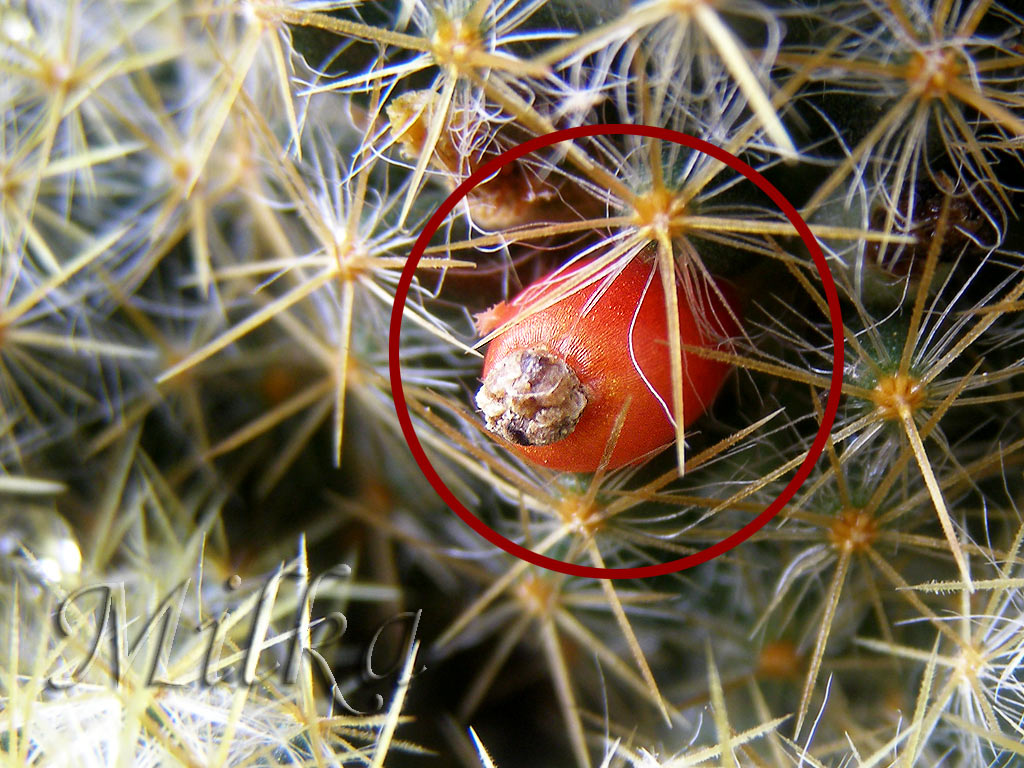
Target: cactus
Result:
[[216, 546]]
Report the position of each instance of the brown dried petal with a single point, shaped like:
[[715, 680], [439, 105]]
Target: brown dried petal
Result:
[[532, 397]]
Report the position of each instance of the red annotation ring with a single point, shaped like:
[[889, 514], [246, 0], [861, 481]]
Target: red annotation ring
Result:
[[831, 405]]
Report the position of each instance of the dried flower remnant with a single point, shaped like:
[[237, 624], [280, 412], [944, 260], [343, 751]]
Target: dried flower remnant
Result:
[[532, 397], [522, 191]]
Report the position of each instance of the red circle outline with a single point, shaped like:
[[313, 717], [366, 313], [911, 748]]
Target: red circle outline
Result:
[[402, 409]]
